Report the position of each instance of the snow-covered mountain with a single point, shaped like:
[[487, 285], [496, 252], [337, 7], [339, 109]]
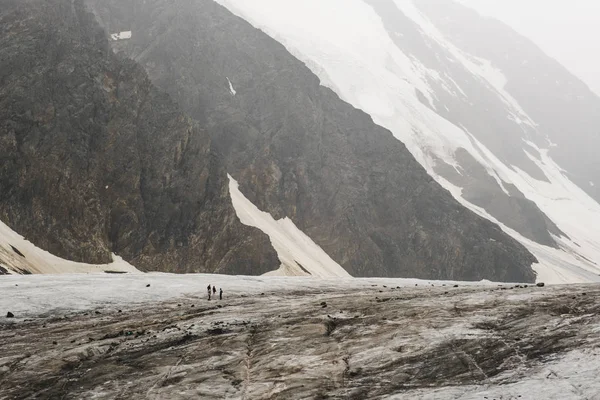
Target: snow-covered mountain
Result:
[[502, 126]]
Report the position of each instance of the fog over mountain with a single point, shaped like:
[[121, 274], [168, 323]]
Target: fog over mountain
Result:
[[566, 30]]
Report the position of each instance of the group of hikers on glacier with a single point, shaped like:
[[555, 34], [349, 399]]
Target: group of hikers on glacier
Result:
[[214, 292]]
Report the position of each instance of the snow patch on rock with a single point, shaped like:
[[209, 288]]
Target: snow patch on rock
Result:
[[20, 256], [231, 89], [299, 255], [121, 35]]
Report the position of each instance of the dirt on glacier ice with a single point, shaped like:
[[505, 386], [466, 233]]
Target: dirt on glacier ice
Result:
[[347, 344]]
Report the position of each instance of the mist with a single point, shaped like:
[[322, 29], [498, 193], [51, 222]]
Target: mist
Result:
[[567, 31]]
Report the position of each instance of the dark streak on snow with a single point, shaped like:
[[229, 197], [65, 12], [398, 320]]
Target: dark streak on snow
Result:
[[17, 251], [302, 268]]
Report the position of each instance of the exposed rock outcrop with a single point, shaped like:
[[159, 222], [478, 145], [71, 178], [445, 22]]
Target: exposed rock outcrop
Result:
[[95, 160]]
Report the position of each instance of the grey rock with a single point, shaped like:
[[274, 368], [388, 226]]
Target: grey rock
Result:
[[95, 160]]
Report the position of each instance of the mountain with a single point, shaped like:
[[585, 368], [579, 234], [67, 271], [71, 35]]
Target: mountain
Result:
[[363, 137], [300, 152], [94, 160], [97, 161], [510, 132]]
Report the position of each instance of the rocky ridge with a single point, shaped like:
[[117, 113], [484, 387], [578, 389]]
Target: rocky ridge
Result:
[[95, 160]]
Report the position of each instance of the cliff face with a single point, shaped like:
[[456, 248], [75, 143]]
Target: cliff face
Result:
[[95, 160], [297, 150]]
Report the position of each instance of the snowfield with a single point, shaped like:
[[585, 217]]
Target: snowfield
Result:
[[33, 295], [108, 336]]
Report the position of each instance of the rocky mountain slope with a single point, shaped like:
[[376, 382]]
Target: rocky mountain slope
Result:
[[95, 160], [300, 152], [501, 125]]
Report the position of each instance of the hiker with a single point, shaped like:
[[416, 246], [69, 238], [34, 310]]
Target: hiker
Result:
[[214, 290], [220, 294], [208, 288]]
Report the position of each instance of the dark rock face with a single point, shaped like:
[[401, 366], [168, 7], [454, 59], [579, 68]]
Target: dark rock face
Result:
[[297, 150], [94, 159]]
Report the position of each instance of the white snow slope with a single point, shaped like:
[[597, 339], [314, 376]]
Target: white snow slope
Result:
[[299, 255], [37, 261], [345, 43]]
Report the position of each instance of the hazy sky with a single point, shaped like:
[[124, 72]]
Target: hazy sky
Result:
[[568, 30]]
